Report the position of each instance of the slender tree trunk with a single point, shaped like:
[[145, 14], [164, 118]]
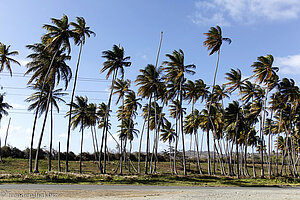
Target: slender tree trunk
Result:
[[36, 167], [148, 135], [51, 137], [58, 157], [105, 128], [182, 133], [7, 131], [209, 106], [72, 99], [81, 145], [140, 148], [31, 143]]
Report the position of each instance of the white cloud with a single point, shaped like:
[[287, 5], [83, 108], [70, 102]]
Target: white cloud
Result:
[[222, 12], [289, 64]]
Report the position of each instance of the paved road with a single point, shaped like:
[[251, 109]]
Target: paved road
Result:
[[36, 191]]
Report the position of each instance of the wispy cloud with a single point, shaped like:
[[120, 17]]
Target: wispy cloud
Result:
[[289, 65], [225, 12]]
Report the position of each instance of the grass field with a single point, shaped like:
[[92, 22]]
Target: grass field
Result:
[[15, 171]]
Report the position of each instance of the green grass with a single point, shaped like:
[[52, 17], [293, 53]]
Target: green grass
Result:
[[15, 171]]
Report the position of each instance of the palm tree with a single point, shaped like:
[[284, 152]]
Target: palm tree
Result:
[[3, 111], [39, 104], [5, 58], [149, 82], [264, 71], [80, 117], [168, 134], [213, 43], [234, 121], [116, 61], [121, 87], [191, 126], [42, 74], [81, 32], [175, 70], [41, 59]]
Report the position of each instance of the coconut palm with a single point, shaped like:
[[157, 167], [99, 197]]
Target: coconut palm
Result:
[[213, 42], [3, 111], [80, 32], [80, 117], [176, 69], [41, 58], [38, 102], [168, 134], [43, 74], [5, 59], [264, 72], [115, 63], [121, 87], [149, 82]]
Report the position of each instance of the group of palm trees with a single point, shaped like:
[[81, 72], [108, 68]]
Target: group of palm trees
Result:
[[266, 106]]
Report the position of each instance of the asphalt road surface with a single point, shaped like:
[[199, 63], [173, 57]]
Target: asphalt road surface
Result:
[[59, 192]]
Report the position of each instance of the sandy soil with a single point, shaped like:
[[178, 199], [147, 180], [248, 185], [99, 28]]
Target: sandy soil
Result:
[[136, 192]]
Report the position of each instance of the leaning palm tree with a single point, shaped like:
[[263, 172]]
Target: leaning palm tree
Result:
[[5, 59], [264, 72], [81, 32], [213, 43], [42, 74], [168, 134], [121, 87], [3, 111], [80, 117], [115, 63], [175, 70], [149, 82], [38, 102]]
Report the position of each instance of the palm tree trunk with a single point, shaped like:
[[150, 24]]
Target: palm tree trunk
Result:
[[148, 135], [140, 148], [31, 143], [58, 157], [213, 87], [81, 145], [72, 99], [51, 137], [182, 133], [105, 128], [36, 166], [198, 156], [7, 131], [262, 133]]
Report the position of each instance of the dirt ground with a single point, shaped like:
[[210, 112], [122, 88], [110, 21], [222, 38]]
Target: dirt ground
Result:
[[219, 193]]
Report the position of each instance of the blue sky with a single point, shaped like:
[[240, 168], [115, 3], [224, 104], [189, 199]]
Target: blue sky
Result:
[[257, 28]]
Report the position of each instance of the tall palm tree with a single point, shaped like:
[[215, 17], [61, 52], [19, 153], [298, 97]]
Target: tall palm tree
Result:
[[121, 87], [264, 71], [191, 126], [42, 74], [3, 111], [81, 32], [38, 102], [115, 62], [213, 43], [80, 118], [168, 134], [5, 59], [149, 82], [175, 70], [39, 66]]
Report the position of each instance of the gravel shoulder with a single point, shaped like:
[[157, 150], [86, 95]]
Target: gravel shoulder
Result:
[[59, 192]]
